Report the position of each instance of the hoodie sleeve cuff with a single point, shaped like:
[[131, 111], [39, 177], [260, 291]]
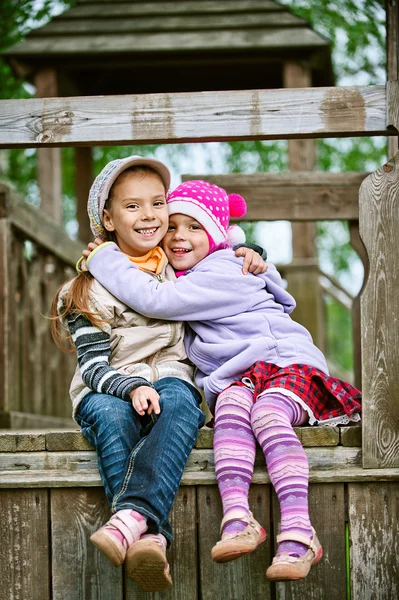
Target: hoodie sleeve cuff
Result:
[[88, 259]]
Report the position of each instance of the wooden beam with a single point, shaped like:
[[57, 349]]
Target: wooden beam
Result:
[[83, 180], [75, 469], [379, 226], [194, 117], [392, 49], [49, 159], [300, 196], [37, 227]]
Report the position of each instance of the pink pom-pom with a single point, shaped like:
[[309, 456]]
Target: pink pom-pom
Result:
[[237, 205]]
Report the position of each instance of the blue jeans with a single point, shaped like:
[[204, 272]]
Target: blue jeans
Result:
[[141, 459]]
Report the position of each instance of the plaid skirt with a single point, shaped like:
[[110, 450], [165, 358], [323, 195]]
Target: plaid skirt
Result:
[[326, 399]]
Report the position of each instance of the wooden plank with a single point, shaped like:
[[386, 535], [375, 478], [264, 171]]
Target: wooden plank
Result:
[[327, 580], [200, 116], [357, 245], [182, 555], [100, 25], [350, 436], [5, 304], [392, 49], [79, 570], [20, 420], [298, 196], [83, 180], [59, 441], [107, 9], [242, 578], [10, 441], [25, 554], [379, 224], [35, 226], [374, 540], [49, 159], [67, 478], [180, 42]]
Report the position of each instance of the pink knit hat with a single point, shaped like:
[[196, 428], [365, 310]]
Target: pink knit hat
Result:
[[212, 207]]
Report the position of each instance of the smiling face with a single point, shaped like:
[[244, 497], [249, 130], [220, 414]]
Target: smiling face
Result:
[[185, 243], [137, 212]]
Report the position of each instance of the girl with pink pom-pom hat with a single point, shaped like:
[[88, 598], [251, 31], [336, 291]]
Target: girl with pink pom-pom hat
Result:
[[260, 371]]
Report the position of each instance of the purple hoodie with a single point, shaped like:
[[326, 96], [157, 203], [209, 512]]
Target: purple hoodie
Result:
[[234, 319]]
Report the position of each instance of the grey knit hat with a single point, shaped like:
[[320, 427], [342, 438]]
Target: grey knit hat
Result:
[[102, 184]]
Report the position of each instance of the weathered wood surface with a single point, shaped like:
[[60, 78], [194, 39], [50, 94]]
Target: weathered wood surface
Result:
[[25, 551], [49, 159], [257, 39], [79, 468], [392, 45], [243, 578], [34, 375], [73, 439], [188, 7], [37, 227], [358, 246], [374, 540], [299, 196], [161, 22], [379, 226], [201, 116], [328, 579], [79, 571]]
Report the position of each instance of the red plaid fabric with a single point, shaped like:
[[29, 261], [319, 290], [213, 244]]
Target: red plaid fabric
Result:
[[327, 397]]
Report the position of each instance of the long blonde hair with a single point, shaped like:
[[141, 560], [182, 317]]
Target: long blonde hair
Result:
[[76, 300]]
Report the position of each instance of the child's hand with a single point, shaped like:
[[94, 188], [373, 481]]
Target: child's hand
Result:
[[253, 262], [87, 251], [144, 398]]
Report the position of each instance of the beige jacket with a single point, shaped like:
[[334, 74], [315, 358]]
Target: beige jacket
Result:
[[140, 346]]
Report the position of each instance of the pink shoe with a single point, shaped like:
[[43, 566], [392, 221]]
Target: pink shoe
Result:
[[147, 565], [235, 545], [286, 567], [115, 537]]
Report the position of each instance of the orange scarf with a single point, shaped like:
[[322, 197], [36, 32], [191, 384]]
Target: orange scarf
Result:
[[154, 261]]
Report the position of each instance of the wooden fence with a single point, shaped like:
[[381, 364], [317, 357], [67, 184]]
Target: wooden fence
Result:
[[51, 501], [36, 257], [45, 527]]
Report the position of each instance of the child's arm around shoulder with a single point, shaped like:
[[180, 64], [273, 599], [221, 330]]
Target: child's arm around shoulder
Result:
[[276, 286], [203, 294]]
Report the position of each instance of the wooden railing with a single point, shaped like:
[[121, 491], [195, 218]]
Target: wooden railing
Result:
[[36, 257]]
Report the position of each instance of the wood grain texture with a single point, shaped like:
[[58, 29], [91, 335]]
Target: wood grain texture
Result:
[[11, 441], [79, 570], [140, 24], [202, 116], [299, 196], [25, 553], [182, 555], [392, 45], [327, 580], [379, 224], [374, 540], [242, 579]]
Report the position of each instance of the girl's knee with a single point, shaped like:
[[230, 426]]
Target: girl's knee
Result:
[[104, 407]]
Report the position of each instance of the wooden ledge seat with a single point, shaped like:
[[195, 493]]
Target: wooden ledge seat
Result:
[[33, 459]]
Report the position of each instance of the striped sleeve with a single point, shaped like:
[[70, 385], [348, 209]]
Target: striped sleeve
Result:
[[94, 348]]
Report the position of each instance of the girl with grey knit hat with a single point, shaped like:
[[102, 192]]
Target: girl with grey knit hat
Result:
[[132, 392]]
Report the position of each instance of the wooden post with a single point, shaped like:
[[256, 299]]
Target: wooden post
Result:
[[5, 304], [304, 287], [358, 246], [49, 159], [83, 181], [392, 20], [379, 226]]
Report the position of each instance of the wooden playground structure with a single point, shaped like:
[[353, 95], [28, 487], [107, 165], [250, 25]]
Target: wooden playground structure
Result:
[[51, 498]]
